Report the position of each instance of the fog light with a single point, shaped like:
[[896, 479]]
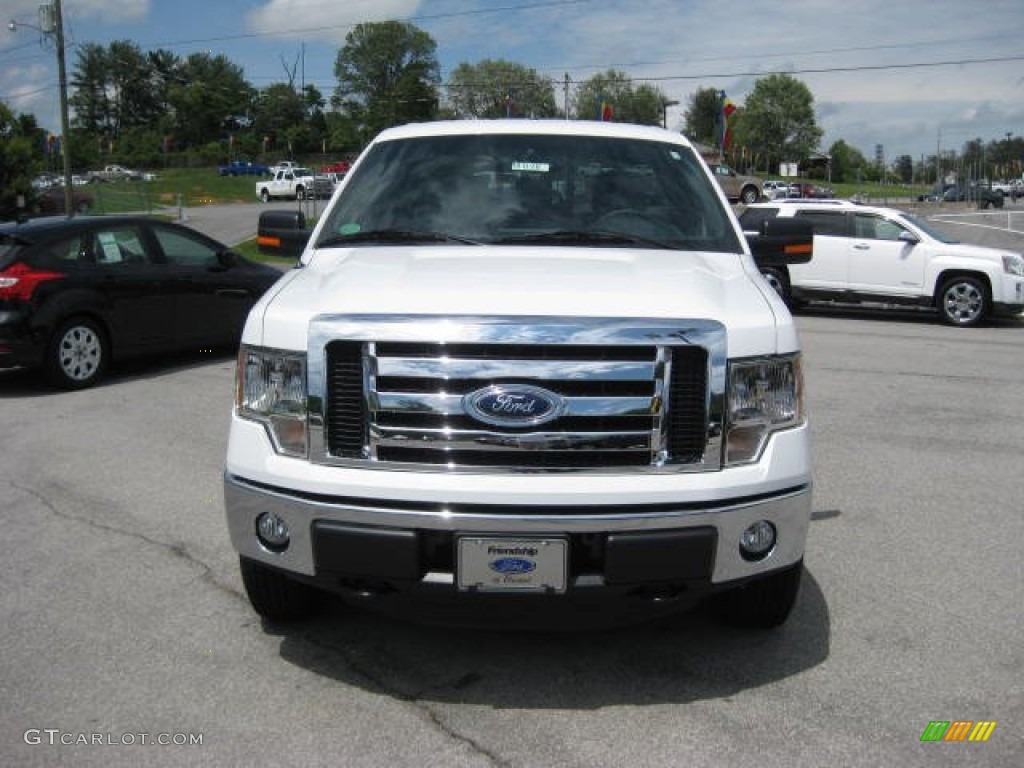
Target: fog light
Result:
[[272, 532], [757, 540]]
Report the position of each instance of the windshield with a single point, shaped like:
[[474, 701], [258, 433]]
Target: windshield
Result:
[[545, 189], [929, 230]]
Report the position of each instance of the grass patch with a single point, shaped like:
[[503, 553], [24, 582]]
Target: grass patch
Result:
[[176, 186]]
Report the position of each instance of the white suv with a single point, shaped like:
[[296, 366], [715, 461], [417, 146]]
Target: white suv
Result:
[[864, 253]]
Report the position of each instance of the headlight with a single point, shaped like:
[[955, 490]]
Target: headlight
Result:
[[765, 395], [271, 389], [1013, 264]]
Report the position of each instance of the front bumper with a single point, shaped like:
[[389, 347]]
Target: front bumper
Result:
[[1008, 296], [364, 545]]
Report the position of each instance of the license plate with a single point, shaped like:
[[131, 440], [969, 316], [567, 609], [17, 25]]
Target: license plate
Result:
[[512, 565]]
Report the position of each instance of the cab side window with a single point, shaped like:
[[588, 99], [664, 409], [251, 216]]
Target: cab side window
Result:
[[183, 250], [60, 253], [827, 223], [117, 246], [876, 228]]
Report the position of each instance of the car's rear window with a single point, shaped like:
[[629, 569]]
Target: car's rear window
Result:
[[10, 247], [503, 189]]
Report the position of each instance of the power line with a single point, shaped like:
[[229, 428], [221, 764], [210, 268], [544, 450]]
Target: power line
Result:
[[320, 29], [829, 70], [778, 55]]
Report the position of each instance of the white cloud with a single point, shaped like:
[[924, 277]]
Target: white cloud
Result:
[[114, 10], [330, 19]]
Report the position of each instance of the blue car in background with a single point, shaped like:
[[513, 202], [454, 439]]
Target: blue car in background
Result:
[[244, 168]]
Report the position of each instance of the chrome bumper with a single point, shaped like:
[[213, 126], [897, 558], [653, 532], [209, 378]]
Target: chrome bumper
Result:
[[789, 511]]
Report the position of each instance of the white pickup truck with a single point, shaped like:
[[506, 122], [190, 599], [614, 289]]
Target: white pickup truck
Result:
[[114, 173], [294, 184], [524, 366]]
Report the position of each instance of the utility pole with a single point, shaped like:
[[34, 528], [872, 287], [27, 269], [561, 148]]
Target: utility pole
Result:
[[51, 22], [65, 127], [566, 95]]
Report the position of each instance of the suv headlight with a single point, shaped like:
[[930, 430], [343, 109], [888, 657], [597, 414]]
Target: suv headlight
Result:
[[765, 395], [271, 389], [1013, 264]]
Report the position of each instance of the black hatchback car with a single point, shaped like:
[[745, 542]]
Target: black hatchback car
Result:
[[77, 293]]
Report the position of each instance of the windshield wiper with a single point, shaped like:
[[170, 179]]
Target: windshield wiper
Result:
[[580, 237], [393, 236]]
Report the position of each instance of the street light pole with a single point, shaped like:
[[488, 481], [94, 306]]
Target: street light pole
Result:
[[52, 23], [665, 104]]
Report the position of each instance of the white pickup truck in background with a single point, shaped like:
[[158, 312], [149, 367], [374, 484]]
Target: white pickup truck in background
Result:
[[1013, 188], [294, 184], [114, 173]]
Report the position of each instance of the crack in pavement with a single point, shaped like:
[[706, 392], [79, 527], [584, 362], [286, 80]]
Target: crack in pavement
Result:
[[414, 699], [178, 550]]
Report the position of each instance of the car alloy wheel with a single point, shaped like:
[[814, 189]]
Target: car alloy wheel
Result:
[[78, 355], [964, 301]]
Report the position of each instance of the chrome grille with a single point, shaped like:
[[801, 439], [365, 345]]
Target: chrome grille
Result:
[[390, 400]]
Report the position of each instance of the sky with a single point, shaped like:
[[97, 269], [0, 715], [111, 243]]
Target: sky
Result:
[[906, 76]]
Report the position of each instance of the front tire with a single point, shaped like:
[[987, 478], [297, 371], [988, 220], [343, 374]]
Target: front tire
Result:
[[749, 195], [275, 596], [78, 353], [762, 604], [964, 301]]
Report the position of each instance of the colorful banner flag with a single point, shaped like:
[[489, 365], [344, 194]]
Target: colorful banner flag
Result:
[[605, 115], [724, 120]]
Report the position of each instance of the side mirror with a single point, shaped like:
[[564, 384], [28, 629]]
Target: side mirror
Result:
[[908, 237], [227, 259], [782, 241], [282, 233]]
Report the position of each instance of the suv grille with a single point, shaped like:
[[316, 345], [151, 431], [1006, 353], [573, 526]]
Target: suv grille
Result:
[[629, 405]]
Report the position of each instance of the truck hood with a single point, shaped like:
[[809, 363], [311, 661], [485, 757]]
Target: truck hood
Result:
[[965, 251], [523, 281]]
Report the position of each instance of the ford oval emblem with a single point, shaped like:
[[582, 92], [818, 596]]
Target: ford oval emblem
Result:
[[513, 405], [506, 565]]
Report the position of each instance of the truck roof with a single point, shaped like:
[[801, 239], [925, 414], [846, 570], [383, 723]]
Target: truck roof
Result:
[[545, 127]]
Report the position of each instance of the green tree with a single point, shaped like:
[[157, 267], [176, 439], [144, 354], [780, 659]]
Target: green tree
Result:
[[777, 121], [93, 110], [387, 75], [497, 88], [279, 109], [113, 89], [19, 161], [903, 167], [629, 104], [207, 90], [342, 134], [128, 80], [702, 114], [847, 162]]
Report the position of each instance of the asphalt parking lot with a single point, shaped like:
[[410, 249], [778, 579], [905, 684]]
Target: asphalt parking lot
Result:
[[123, 618]]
